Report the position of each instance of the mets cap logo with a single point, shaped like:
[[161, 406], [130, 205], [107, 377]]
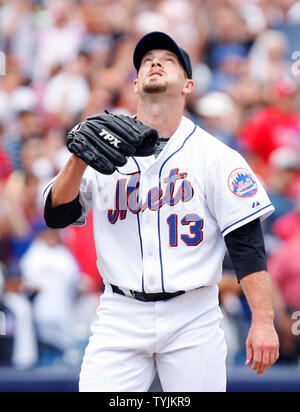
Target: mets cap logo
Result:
[[241, 183]]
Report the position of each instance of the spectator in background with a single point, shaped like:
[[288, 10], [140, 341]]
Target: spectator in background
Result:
[[100, 99], [287, 226], [18, 346], [17, 32], [268, 57], [284, 268], [235, 322], [182, 20], [50, 272], [220, 116], [293, 13], [279, 12], [284, 169], [28, 126], [61, 25], [67, 94], [277, 125], [4, 212], [230, 64], [80, 242], [6, 165], [127, 101], [252, 14], [227, 25], [8, 86], [21, 212], [7, 327]]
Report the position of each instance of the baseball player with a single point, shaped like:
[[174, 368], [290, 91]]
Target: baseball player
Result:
[[167, 198]]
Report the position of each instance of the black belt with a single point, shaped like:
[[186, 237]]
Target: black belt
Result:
[[147, 297]]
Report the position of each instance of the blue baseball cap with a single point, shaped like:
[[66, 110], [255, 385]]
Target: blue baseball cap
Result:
[[160, 40]]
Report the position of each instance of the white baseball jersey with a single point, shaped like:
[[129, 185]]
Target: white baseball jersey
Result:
[[160, 226]]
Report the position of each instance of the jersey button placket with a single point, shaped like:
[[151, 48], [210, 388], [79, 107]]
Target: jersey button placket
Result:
[[151, 254], [149, 234]]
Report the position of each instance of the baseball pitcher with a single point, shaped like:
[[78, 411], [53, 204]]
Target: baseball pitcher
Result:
[[167, 199]]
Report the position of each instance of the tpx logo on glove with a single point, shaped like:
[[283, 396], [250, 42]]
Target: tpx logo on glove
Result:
[[112, 139]]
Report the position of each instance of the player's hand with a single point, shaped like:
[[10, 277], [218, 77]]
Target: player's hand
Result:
[[262, 346]]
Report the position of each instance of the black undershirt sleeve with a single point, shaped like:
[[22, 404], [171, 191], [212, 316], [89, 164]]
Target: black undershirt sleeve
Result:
[[63, 215], [246, 249]]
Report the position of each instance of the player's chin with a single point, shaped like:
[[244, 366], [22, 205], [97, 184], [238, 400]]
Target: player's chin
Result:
[[155, 87]]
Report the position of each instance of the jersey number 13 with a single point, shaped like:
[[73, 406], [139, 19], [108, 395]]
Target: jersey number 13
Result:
[[195, 224]]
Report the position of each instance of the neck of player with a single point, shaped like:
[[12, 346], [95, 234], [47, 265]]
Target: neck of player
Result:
[[160, 114]]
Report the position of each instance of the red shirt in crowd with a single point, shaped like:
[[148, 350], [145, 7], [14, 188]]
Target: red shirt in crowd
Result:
[[287, 226], [284, 268], [269, 129], [80, 241], [6, 166]]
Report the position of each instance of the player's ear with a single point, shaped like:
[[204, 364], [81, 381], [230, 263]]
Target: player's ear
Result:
[[188, 87], [135, 87]]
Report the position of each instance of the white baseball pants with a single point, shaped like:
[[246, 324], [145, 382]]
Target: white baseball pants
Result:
[[180, 338]]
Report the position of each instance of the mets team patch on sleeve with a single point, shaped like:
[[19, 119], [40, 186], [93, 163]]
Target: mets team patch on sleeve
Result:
[[242, 183]]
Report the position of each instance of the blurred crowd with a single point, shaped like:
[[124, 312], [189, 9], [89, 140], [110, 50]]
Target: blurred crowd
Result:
[[65, 60]]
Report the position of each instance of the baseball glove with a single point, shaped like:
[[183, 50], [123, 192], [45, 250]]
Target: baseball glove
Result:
[[105, 141]]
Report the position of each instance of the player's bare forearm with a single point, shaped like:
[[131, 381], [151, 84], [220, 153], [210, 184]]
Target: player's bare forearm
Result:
[[257, 288], [66, 187], [262, 343]]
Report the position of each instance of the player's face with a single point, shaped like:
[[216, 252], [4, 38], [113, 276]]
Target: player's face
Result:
[[161, 72]]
